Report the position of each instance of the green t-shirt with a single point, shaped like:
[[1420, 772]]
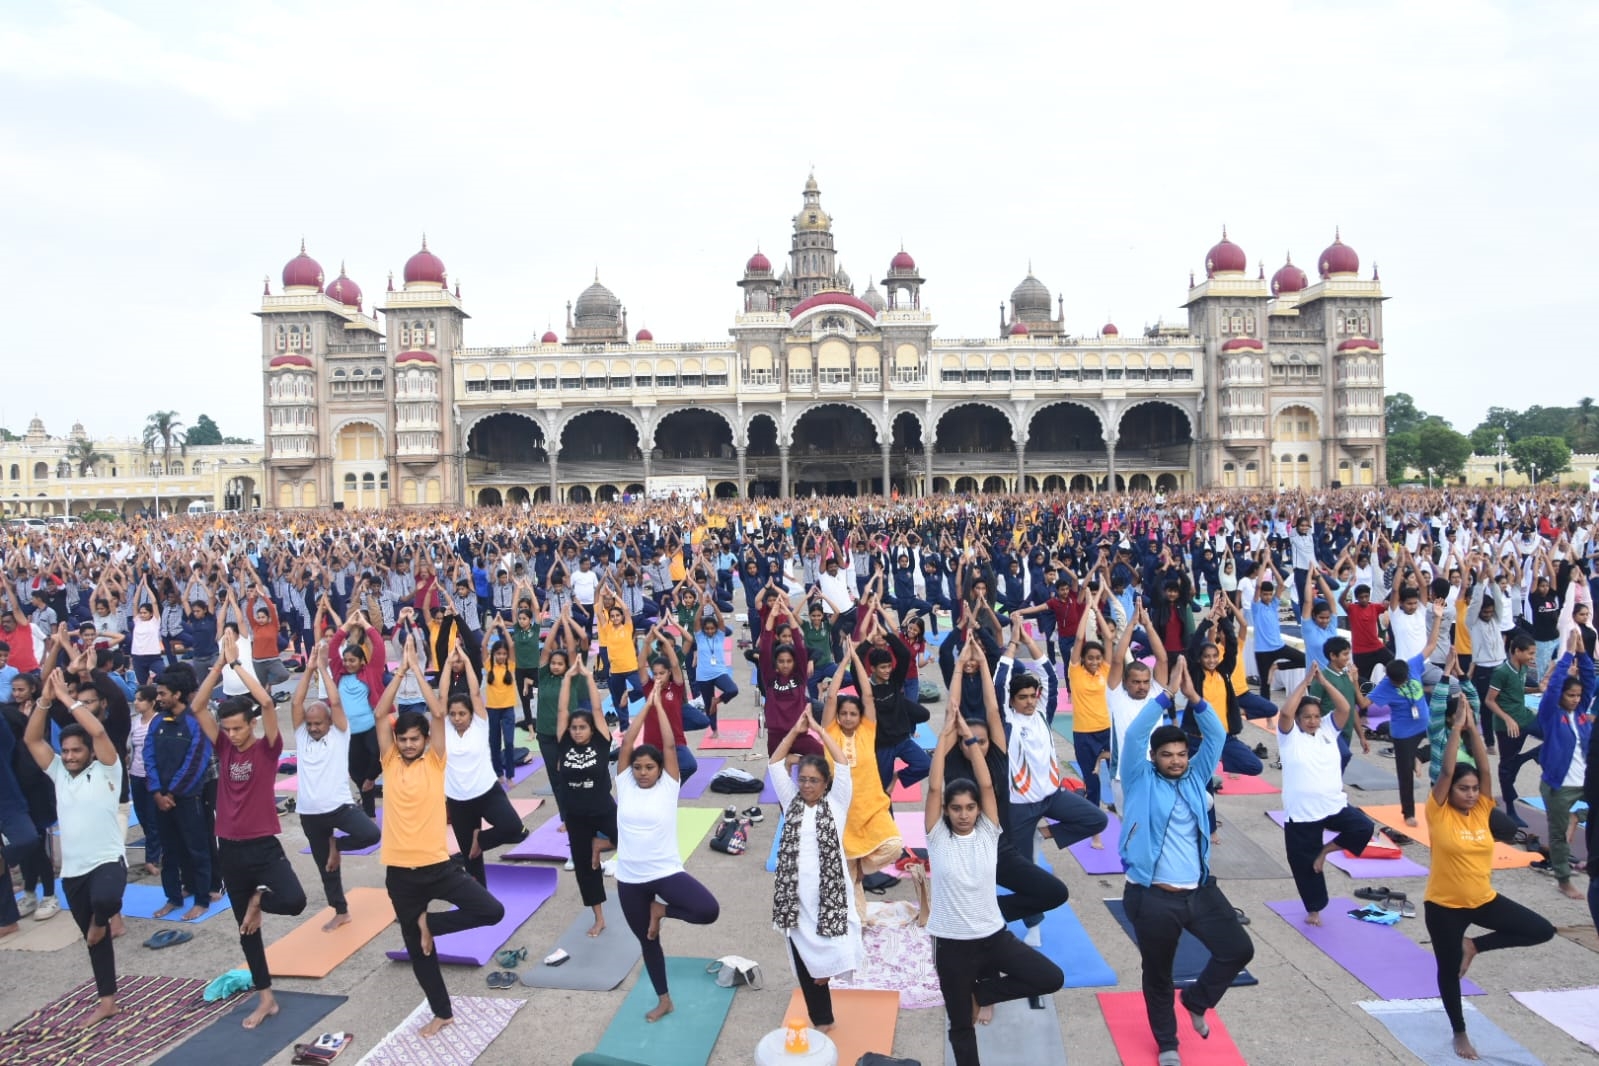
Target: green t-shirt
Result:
[[549, 705], [525, 643], [818, 642], [1512, 686], [1346, 688]]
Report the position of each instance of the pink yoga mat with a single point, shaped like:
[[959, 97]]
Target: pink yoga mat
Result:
[[709, 767], [1374, 869], [521, 889], [1107, 860], [734, 733], [545, 842], [912, 833], [1381, 957], [1243, 785]]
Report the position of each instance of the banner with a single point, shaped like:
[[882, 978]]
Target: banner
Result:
[[683, 485]]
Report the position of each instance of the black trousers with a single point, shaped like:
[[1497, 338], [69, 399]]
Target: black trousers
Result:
[[360, 832], [993, 969], [1303, 842], [1511, 925], [467, 817], [1159, 918], [259, 863], [411, 889], [95, 897], [1034, 891], [1265, 660], [550, 752], [522, 678], [364, 766], [818, 998], [1366, 661], [581, 830], [1406, 751]]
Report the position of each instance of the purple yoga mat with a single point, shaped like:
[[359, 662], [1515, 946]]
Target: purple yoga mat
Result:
[[1107, 860], [545, 842], [521, 889], [768, 793], [1374, 869], [709, 767], [1381, 957], [522, 773], [360, 851]]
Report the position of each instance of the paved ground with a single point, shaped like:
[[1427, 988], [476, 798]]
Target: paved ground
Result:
[[1303, 1010]]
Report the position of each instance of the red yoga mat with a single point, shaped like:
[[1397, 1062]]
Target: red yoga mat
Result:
[[1129, 1030]]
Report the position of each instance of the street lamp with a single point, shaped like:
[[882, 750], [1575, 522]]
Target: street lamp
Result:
[[1534, 474], [1429, 478], [1501, 443]]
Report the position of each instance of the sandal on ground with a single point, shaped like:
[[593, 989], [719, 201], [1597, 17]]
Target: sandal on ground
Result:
[[1377, 895], [510, 958], [1243, 919], [167, 938], [502, 979], [1399, 838]]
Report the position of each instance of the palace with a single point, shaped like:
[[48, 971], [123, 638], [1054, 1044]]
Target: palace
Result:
[[818, 388]]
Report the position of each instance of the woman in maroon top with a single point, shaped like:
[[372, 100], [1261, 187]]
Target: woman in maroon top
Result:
[[785, 666], [666, 673]]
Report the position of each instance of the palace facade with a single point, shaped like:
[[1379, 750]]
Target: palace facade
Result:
[[821, 387]]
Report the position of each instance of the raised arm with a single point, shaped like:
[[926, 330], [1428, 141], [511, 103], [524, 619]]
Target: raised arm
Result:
[[933, 806], [1290, 708]]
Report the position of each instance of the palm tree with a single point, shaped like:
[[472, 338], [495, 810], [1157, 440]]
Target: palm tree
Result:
[[86, 456], [1585, 426], [164, 429]]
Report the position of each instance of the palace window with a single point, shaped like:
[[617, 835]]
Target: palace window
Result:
[[477, 385]]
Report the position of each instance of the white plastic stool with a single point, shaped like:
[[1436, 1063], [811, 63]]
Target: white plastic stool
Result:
[[770, 1051]]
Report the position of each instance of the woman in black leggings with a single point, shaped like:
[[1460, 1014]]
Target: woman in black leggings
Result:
[[1459, 892], [584, 778]]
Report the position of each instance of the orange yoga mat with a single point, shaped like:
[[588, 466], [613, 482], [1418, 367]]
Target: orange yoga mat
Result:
[[523, 806], [1129, 1029], [864, 1021], [1389, 814], [309, 952]]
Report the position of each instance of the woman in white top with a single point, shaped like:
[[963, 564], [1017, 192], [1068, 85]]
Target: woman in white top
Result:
[[812, 904], [650, 881], [472, 792], [979, 961], [145, 649]]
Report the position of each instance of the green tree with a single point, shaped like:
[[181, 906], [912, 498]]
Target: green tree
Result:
[[204, 431], [1401, 413], [6, 434], [1404, 450], [1440, 447], [86, 456], [1550, 455], [1583, 436], [164, 430], [1485, 439], [238, 440]]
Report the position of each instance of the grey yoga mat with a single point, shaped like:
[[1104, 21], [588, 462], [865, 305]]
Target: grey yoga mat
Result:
[[1369, 777], [1423, 1027], [1238, 858], [597, 964], [1019, 1033], [225, 1040]]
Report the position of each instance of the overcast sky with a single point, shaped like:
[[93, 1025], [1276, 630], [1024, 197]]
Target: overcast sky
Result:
[[156, 160]]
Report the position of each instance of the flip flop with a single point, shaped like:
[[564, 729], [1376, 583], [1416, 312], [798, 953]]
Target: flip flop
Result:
[[1243, 919], [510, 958], [501, 979], [1378, 895], [168, 937]]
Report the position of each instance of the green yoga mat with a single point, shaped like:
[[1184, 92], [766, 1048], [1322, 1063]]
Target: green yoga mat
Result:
[[687, 1036], [692, 825]]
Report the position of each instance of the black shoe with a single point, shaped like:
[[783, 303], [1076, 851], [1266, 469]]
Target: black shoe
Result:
[[730, 814], [754, 814], [1260, 751]]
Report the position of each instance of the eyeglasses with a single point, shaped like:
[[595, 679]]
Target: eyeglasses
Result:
[[812, 780]]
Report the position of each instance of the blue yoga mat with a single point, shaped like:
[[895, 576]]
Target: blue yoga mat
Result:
[[777, 838], [142, 901], [687, 1036], [1537, 804], [926, 736], [1065, 943]]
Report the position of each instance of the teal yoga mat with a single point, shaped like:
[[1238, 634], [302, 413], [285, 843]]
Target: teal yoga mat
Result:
[[687, 1036]]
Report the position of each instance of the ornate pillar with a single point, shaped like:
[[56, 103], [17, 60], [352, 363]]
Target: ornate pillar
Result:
[[887, 482], [1021, 466], [646, 464], [743, 474], [1110, 464], [555, 481], [782, 460]]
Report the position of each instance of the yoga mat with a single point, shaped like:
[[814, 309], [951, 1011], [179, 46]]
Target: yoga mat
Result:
[[777, 838], [732, 734], [545, 842], [1422, 1026], [291, 783], [768, 793], [1135, 1044], [1238, 858], [1585, 935], [695, 787], [1066, 943], [597, 964], [896, 956], [522, 889], [1574, 1011], [1062, 722], [156, 1013], [226, 1040], [1244, 785], [1538, 822], [692, 825], [1191, 955], [904, 793], [912, 834], [1537, 804], [1374, 869], [526, 770], [307, 951], [687, 1036], [1505, 856], [523, 806], [863, 1020], [926, 736], [1379, 956], [1017, 1034], [1369, 777], [1106, 860], [142, 901], [478, 1021]]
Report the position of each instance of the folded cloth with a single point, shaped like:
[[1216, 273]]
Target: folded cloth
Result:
[[1376, 915], [229, 984]]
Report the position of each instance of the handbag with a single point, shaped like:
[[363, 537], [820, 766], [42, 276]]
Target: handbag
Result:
[[734, 970], [731, 838]]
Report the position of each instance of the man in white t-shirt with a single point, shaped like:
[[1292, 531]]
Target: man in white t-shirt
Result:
[[1128, 691], [1313, 793]]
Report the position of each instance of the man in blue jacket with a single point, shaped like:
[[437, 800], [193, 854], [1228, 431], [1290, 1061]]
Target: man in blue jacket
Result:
[[1165, 847], [1565, 714], [177, 757]]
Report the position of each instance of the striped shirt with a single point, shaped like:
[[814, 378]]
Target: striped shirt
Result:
[[964, 904]]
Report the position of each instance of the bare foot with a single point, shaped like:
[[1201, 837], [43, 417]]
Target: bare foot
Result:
[[1047, 833], [216, 896], [828, 1028], [336, 921], [982, 1015], [477, 851], [1468, 952], [251, 922], [599, 923], [152, 869], [8, 930], [657, 912], [427, 935], [95, 934], [662, 1008], [436, 1026], [106, 1008], [1411, 821], [561, 828], [1215, 840], [164, 910], [334, 856], [1570, 891], [196, 911], [1313, 917], [1320, 864], [118, 926], [1463, 1047], [1097, 843], [266, 1009]]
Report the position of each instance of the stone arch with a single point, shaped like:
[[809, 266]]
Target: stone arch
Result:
[[763, 441], [1092, 408], [487, 439], [1188, 413], [360, 420], [662, 415], [1005, 412], [787, 431], [532, 416], [565, 419], [1311, 405]]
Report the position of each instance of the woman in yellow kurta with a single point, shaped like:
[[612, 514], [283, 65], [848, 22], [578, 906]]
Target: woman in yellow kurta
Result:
[[871, 836]]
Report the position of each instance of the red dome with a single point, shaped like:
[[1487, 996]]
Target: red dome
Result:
[[1019, 329], [1225, 257], [1109, 330], [416, 357], [1359, 344], [644, 335], [1243, 344], [287, 362], [1339, 258], [424, 266], [302, 272], [824, 298], [902, 262], [549, 337], [1288, 278], [345, 291], [758, 264]]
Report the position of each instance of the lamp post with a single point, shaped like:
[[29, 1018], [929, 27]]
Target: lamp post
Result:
[[155, 473], [1501, 460], [1534, 474], [1429, 478]]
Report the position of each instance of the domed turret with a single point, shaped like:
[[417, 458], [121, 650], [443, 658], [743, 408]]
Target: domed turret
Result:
[[549, 337], [758, 264], [1225, 257], [302, 273], [1339, 259], [1288, 278], [344, 291], [1019, 329], [644, 336], [1109, 330], [873, 298], [1030, 300], [902, 263], [811, 217], [597, 307], [424, 269]]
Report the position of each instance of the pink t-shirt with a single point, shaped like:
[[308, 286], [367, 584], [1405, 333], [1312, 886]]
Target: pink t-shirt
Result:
[[246, 808]]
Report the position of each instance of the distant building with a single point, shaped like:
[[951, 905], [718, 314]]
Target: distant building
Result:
[[816, 389]]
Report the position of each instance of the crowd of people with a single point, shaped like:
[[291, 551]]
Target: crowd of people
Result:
[[141, 661]]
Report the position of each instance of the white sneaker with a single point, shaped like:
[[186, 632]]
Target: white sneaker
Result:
[[27, 904], [1034, 937], [49, 907], [570, 865], [608, 867]]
